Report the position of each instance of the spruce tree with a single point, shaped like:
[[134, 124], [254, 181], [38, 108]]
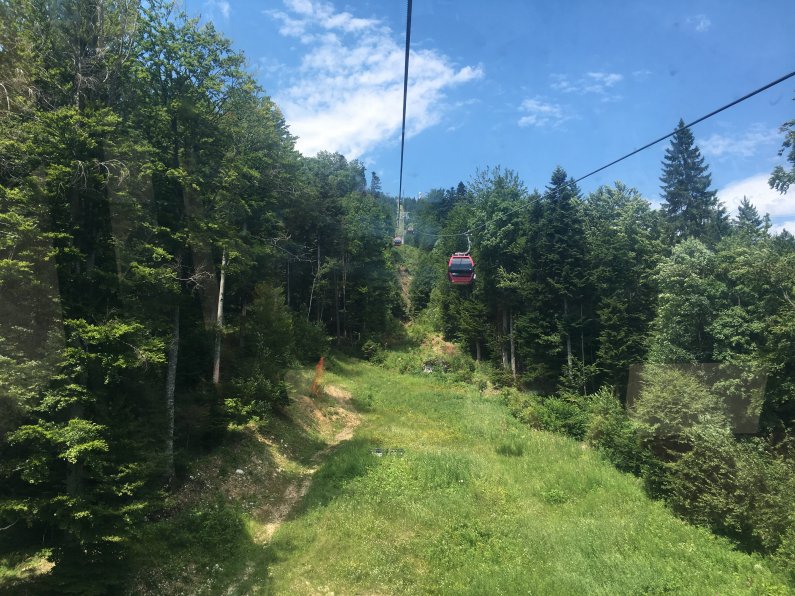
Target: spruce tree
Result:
[[375, 184], [748, 220], [691, 209]]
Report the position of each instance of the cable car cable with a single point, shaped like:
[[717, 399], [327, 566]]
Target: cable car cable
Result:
[[405, 95], [628, 155]]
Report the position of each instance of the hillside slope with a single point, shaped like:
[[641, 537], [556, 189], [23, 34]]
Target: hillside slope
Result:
[[461, 498]]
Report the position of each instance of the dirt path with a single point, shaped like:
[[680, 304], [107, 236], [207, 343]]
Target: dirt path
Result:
[[296, 489]]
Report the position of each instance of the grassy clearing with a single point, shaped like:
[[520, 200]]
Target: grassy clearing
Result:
[[477, 503], [462, 498]]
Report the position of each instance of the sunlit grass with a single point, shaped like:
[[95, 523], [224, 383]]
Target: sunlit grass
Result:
[[18, 567], [440, 490], [477, 503]]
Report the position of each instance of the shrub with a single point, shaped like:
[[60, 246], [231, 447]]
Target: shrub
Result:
[[565, 414], [739, 489], [311, 340], [612, 432], [373, 351], [462, 367], [672, 402], [522, 406]]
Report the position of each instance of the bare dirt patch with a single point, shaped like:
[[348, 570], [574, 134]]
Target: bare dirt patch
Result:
[[439, 346], [272, 516]]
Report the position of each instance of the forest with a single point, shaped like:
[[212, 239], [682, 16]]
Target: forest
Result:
[[664, 337], [167, 255]]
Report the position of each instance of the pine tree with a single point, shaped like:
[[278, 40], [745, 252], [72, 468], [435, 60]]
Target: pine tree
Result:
[[690, 207], [552, 329], [375, 184], [622, 253], [748, 220]]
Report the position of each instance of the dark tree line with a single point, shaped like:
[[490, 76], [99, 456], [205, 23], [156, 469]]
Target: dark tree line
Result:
[[571, 290]]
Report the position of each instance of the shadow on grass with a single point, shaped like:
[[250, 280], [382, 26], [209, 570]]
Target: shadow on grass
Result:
[[209, 538], [206, 548], [347, 462], [344, 365]]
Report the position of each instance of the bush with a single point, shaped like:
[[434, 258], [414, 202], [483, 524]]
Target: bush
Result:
[[739, 489], [785, 554], [612, 432], [565, 414], [254, 397], [373, 352], [311, 340], [672, 402], [522, 406]]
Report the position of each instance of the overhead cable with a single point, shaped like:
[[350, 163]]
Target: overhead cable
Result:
[[622, 158]]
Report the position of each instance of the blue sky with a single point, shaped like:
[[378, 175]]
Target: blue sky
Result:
[[527, 85]]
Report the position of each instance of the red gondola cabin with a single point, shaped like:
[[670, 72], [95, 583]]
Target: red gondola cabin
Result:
[[461, 269]]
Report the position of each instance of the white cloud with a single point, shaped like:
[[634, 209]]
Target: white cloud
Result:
[[764, 198], [788, 225], [347, 95], [540, 113], [591, 82], [740, 145], [699, 22], [218, 6]]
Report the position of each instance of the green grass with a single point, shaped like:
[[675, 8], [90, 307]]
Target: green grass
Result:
[[479, 504], [18, 567], [464, 499]]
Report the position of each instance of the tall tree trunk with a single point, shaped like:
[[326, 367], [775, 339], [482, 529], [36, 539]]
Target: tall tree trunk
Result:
[[311, 297], [344, 295], [288, 282], [582, 350], [219, 321], [242, 333], [568, 336], [337, 302], [503, 347], [513, 348], [171, 383], [314, 283], [477, 350]]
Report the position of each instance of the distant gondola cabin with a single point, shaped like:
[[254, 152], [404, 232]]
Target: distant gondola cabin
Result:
[[397, 241], [461, 269]]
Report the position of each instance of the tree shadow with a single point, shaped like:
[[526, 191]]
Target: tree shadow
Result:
[[346, 462]]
